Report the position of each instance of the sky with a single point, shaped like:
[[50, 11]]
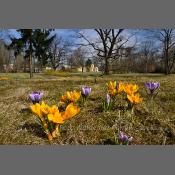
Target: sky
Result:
[[136, 36], [70, 34]]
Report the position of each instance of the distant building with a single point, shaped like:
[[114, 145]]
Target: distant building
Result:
[[91, 69], [48, 68], [63, 67], [74, 68], [8, 68]]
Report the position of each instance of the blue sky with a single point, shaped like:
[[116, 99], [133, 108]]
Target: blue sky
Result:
[[67, 32], [70, 34]]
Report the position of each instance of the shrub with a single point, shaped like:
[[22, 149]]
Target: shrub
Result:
[[61, 73]]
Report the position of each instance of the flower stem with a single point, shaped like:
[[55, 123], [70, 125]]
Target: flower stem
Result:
[[45, 126], [56, 132]]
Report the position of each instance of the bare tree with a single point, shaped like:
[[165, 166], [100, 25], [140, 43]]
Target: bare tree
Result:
[[78, 58], [58, 52], [147, 51], [4, 56], [167, 39], [109, 42]]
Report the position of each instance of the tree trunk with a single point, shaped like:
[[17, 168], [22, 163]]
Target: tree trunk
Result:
[[166, 63], [34, 65], [41, 66], [24, 64], [31, 61], [106, 66], [146, 66], [31, 67]]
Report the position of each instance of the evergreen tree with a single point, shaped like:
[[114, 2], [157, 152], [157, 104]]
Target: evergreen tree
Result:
[[33, 42], [43, 41], [24, 43], [88, 62]]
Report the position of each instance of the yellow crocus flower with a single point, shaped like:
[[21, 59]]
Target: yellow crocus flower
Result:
[[121, 87], [63, 98], [53, 109], [112, 85], [76, 95], [112, 92], [55, 118], [134, 98], [131, 89], [44, 108], [70, 111], [71, 96], [36, 109], [112, 88], [135, 88], [54, 115]]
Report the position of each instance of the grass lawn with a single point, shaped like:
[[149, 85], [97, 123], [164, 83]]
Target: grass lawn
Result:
[[151, 123]]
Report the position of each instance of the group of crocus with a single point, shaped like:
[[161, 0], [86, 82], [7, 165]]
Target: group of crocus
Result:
[[132, 96], [74, 96], [51, 117], [130, 90]]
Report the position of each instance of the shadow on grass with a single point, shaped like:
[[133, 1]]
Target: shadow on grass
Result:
[[108, 142], [34, 128], [25, 110], [98, 110]]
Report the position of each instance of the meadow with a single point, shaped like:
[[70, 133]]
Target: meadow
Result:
[[153, 123]]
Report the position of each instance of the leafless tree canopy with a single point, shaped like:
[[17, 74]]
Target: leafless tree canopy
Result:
[[4, 56], [167, 39], [108, 45], [58, 52], [77, 58], [147, 51]]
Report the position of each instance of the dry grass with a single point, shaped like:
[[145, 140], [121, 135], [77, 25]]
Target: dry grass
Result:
[[150, 125]]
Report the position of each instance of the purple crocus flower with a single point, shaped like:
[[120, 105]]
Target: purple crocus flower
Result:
[[123, 137], [108, 99], [35, 97], [152, 86], [86, 91]]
